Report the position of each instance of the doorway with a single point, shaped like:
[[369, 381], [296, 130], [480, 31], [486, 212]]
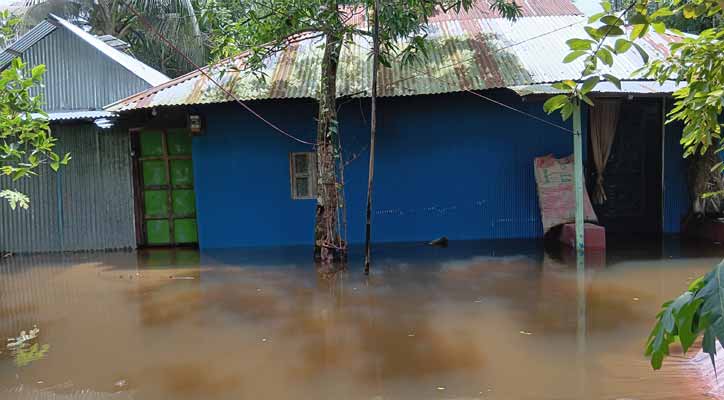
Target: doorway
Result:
[[633, 173], [164, 180]]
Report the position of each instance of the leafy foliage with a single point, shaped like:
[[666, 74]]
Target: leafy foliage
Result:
[[25, 139], [8, 28], [175, 19], [694, 61], [698, 311], [269, 26]]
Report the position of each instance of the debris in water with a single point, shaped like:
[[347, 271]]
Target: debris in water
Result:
[[121, 383], [526, 333], [263, 339], [25, 355], [636, 299], [440, 388], [439, 242], [410, 335], [23, 338]]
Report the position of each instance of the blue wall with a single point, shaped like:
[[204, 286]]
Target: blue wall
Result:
[[450, 165], [676, 198]]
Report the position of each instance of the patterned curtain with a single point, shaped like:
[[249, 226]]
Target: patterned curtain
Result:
[[604, 119]]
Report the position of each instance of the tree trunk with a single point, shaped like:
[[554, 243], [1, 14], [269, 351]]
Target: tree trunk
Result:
[[328, 245], [703, 180], [373, 133]]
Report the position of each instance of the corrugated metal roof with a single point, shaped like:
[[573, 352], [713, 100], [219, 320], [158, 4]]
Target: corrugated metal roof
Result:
[[138, 68], [77, 115], [466, 54], [632, 87], [24, 42], [141, 70]]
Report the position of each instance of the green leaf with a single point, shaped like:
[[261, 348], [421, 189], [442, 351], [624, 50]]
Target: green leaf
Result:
[[610, 31], [639, 30], [689, 11], [589, 84], [699, 310], [622, 46], [567, 111], [15, 199], [605, 56], [572, 56], [644, 55], [638, 19], [37, 71], [554, 103], [593, 33], [612, 20], [595, 17], [606, 6], [579, 44], [662, 12], [659, 27], [613, 79]]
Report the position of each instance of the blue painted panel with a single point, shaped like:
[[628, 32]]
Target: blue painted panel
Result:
[[450, 165], [242, 177], [676, 198]]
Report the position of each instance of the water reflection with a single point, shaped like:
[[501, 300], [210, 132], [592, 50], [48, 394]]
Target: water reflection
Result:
[[474, 320]]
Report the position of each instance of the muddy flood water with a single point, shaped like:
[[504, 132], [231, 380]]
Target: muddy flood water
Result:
[[477, 320]]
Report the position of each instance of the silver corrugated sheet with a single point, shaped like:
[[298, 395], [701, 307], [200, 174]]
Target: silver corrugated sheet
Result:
[[88, 205], [101, 47], [79, 77], [77, 114], [627, 87], [24, 42], [464, 54]]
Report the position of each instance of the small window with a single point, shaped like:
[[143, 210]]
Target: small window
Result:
[[303, 178]]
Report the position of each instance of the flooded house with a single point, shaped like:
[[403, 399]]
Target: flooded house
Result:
[[457, 136], [88, 205]]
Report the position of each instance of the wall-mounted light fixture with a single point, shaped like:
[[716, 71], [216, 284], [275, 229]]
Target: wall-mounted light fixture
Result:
[[196, 124]]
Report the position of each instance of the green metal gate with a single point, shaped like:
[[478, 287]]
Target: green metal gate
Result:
[[166, 183]]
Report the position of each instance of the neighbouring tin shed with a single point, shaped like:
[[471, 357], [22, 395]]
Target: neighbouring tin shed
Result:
[[89, 204]]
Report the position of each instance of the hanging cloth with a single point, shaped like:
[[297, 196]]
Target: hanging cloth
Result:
[[604, 119]]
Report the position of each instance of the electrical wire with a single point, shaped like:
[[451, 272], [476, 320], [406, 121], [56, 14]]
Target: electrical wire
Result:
[[519, 111]]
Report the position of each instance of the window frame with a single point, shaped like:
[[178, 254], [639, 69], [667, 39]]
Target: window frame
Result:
[[310, 174]]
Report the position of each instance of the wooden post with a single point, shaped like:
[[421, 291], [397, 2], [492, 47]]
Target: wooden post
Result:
[[373, 132], [578, 176]]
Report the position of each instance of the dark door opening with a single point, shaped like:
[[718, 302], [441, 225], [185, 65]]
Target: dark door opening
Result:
[[633, 172]]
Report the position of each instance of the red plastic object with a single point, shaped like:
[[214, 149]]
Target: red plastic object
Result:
[[594, 236], [706, 229]]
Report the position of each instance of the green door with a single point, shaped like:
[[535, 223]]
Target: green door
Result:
[[167, 182]]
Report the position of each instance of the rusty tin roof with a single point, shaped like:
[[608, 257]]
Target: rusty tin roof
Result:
[[474, 50]]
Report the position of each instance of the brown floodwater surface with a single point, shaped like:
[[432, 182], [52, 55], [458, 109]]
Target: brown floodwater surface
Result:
[[478, 320]]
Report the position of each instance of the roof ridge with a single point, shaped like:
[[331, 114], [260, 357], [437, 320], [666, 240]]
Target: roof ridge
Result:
[[133, 65]]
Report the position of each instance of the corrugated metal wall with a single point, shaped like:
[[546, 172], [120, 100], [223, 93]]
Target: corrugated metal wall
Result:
[[88, 205], [676, 194], [78, 76]]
